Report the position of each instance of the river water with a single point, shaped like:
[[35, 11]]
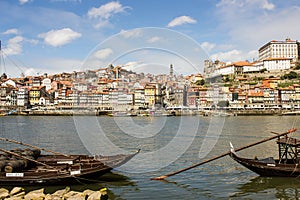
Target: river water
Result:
[[167, 144]]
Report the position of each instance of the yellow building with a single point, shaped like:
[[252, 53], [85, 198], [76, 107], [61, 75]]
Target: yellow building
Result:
[[150, 94], [35, 94]]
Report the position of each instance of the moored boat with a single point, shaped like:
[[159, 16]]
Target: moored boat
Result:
[[286, 165], [21, 168]]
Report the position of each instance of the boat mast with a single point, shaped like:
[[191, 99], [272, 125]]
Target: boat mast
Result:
[[1, 58]]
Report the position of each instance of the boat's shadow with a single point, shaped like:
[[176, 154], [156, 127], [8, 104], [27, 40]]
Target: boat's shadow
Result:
[[283, 187]]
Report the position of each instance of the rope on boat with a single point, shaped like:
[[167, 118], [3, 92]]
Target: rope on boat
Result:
[[295, 168], [86, 179], [32, 146]]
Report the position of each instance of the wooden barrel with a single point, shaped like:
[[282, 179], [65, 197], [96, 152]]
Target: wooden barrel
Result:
[[2, 164], [32, 152], [28, 163], [14, 166], [3, 157]]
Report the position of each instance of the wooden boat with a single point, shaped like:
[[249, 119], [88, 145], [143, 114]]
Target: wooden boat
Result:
[[287, 164], [18, 167], [285, 146]]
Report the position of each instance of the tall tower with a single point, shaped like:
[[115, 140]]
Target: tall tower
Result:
[[171, 72]]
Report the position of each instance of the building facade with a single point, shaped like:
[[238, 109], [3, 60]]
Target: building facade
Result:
[[280, 49], [22, 97]]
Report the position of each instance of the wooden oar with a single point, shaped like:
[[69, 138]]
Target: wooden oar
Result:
[[275, 133], [222, 155], [32, 146]]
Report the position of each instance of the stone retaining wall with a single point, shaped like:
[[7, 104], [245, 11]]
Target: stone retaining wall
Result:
[[18, 193]]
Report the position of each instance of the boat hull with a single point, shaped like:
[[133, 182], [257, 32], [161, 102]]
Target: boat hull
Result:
[[54, 180], [268, 169], [62, 170]]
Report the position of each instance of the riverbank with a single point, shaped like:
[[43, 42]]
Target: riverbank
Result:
[[111, 113], [19, 193], [87, 111]]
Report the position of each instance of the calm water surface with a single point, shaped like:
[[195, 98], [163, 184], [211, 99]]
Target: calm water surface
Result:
[[220, 179]]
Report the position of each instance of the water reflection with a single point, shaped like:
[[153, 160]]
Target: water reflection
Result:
[[282, 188]]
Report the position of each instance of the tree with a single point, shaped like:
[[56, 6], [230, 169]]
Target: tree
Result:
[[297, 67], [263, 70], [226, 78], [200, 82], [3, 76], [291, 75]]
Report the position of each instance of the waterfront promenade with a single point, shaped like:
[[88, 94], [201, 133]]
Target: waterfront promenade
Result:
[[62, 111]]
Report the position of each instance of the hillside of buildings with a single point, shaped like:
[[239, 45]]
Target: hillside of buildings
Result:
[[271, 82]]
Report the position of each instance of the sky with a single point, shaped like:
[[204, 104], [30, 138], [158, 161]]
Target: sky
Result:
[[55, 36]]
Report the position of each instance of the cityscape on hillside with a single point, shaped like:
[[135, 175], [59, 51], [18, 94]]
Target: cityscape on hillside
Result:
[[270, 83]]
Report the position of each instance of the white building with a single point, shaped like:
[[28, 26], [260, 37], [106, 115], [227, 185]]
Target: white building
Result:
[[232, 68], [272, 64], [226, 70], [279, 49], [9, 82], [47, 83], [22, 97]]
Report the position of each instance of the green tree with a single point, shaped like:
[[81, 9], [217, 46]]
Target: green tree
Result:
[[297, 67], [291, 75], [200, 82], [226, 78], [262, 70]]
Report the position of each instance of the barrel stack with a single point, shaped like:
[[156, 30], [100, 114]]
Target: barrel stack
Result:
[[10, 163]]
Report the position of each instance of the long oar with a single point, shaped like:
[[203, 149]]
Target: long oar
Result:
[[222, 155], [32, 146]]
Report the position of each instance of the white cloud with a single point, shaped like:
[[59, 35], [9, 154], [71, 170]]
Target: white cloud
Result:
[[30, 72], [132, 65], [248, 4], [267, 5], [103, 53], [249, 24], [235, 55], [74, 1], [23, 1], [181, 20], [101, 24], [134, 33], [105, 12], [232, 55], [252, 55], [13, 31], [14, 46], [59, 37], [154, 39], [206, 46]]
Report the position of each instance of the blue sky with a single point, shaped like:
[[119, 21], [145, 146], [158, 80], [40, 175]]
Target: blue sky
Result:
[[53, 36]]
